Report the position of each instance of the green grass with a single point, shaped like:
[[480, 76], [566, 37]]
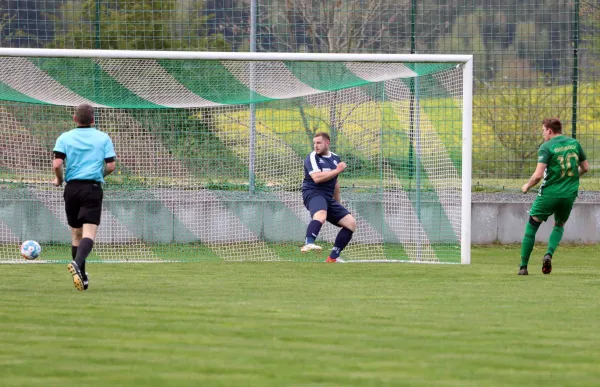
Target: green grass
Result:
[[259, 324], [198, 252]]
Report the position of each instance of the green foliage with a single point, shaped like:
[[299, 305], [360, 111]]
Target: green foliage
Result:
[[537, 32], [225, 184], [514, 115], [506, 130], [133, 25], [291, 127], [23, 23], [590, 29], [189, 140]]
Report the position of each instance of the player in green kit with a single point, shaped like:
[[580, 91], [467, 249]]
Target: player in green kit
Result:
[[561, 162]]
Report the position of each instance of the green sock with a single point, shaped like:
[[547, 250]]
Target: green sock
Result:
[[528, 242], [555, 237]]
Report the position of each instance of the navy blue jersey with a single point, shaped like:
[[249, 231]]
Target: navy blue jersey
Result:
[[318, 163]]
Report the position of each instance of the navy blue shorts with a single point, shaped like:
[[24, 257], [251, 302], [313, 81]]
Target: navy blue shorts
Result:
[[335, 211]]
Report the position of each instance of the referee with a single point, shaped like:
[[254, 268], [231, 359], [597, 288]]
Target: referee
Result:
[[84, 150]]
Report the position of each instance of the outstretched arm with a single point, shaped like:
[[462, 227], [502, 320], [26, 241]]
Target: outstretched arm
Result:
[[535, 178]]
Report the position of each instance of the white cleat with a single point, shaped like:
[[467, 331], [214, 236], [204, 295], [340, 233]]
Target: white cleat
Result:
[[311, 247]]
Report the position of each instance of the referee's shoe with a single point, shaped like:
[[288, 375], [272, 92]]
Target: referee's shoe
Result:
[[86, 281], [77, 277]]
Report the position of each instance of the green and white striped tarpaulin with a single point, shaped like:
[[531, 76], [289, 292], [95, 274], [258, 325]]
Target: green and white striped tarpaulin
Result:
[[136, 83]]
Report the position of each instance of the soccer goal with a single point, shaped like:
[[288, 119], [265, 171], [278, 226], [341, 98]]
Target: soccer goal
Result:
[[210, 149]]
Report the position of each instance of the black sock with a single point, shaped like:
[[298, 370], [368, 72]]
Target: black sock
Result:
[[312, 231], [341, 241], [84, 249], [74, 255]]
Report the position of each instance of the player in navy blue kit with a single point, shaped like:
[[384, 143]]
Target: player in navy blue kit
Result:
[[321, 196]]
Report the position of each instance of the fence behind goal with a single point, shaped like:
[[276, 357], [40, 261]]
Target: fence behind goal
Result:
[[211, 148]]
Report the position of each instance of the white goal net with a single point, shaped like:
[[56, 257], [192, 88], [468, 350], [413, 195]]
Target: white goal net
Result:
[[210, 150]]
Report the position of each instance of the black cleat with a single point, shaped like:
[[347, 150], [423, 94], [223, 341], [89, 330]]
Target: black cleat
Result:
[[77, 277], [86, 281], [523, 270], [547, 264]]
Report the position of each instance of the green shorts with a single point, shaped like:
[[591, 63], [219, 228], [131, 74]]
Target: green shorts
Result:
[[544, 206]]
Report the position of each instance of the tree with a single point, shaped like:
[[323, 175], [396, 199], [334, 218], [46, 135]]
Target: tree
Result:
[[325, 26], [134, 25], [227, 18], [515, 116], [335, 26], [24, 24], [590, 27]]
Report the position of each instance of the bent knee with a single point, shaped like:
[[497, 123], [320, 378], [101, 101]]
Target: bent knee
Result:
[[353, 225], [350, 223], [320, 215], [77, 232], [535, 221]]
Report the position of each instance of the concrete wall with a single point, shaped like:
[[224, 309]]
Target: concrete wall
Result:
[[505, 222], [273, 220]]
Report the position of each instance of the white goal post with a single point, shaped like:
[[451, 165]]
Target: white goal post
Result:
[[210, 147]]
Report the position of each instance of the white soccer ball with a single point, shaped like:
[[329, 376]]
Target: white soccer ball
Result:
[[30, 249]]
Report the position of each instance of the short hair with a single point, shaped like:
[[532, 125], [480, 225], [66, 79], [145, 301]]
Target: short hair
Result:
[[322, 134], [553, 124], [84, 114]]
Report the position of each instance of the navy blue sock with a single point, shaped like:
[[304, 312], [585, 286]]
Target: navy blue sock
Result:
[[341, 241], [312, 231], [84, 249]]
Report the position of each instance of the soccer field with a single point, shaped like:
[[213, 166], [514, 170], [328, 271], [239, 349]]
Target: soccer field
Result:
[[260, 324]]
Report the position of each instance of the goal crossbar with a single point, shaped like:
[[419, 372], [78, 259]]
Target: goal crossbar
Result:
[[234, 56]]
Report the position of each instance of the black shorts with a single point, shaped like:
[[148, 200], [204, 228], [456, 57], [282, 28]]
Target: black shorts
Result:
[[335, 211], [83, 202]]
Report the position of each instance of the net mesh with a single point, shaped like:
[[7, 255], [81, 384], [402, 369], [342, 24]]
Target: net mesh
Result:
[[532, 58], [192, 182]]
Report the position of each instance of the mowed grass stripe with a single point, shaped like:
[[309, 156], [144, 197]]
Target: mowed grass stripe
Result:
[[284, 323]]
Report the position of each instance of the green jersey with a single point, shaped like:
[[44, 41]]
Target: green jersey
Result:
[[562, 156]]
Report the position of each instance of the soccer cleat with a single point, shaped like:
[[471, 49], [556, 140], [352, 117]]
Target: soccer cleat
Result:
[[547, 264], [523, 270], [334, 260], [86, 281], [77, 277], [311, 247]]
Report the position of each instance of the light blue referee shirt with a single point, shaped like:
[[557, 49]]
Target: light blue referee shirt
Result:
[[85, 150]]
